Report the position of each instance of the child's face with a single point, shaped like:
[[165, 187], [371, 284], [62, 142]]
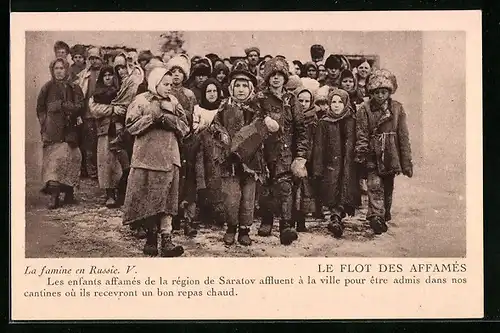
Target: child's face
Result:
[[347, 84], [277, 80], [336, 105], [177, 76], [297, 70], [107, 79], [381, 95], [323, 106], [364, 69], [312, 73], [95, 62], [241, 90], [199, 79], [305, 100], [334, 71], [211, 93], [122, 71], [221, 76], [59, 71], [322, 72], [61, 53], [78, 59], [165, 86]]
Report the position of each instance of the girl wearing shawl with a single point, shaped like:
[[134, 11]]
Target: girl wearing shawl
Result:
[[157, 121], [202, 119], [333, 160], [59, 104], [113, 146], [238, 176], [304, 195], [311, 70]]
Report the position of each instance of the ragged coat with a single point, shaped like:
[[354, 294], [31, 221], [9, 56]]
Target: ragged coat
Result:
[[333, 160], [383, 141], [291, 140], [58, 106]]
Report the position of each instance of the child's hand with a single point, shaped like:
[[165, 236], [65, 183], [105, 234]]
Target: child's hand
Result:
[[408, 172]]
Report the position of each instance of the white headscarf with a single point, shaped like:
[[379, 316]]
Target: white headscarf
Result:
[[155, 77], [250, 86]]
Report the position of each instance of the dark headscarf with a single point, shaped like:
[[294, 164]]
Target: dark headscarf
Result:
[[105, 94], [66, 67], [344, 96], [221, 67], [204, 103]]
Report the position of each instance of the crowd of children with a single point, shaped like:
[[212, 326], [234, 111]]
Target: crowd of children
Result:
[[173, 140]]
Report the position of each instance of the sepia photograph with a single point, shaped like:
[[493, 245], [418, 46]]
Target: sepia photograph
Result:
[[245, 144], [296, 169]]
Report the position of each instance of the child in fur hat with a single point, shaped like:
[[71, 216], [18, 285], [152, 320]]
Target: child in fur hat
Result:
[[285, 151], [382, 146], [78, 55], [333, 160]]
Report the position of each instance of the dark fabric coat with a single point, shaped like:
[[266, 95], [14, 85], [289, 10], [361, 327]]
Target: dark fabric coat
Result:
[[383, 141], [333, 161], [291, 140], [59, 103]]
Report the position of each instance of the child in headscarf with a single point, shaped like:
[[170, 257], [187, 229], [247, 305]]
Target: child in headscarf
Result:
[[110, 164], [333, 160], [158, 122], [311, 70], [221, 74], [211, 98], [304, 194], [383, 146]]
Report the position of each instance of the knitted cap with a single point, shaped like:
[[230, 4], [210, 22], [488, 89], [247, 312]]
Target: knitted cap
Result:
[[94, 52], [293, 82]]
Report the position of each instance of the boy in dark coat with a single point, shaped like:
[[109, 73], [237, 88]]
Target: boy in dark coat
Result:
[[333, 159], [285, 151], [382, 146]]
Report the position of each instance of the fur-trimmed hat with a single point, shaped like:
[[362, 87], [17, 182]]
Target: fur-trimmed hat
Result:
[[333, 61], [252, 49], [202, 67], [240, 70], [180, 62], [78, 49], [382, 78], [276, 65]]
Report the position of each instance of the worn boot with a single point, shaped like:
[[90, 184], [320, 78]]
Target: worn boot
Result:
[[388, 216], [336, 227], [189, 230], [266, 226], [243, 236], [301, 222], [151, 246], [168, 249], [110, 198], [54, 200], [287, 233], [230, 235], [378, 225], [69, 196]]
